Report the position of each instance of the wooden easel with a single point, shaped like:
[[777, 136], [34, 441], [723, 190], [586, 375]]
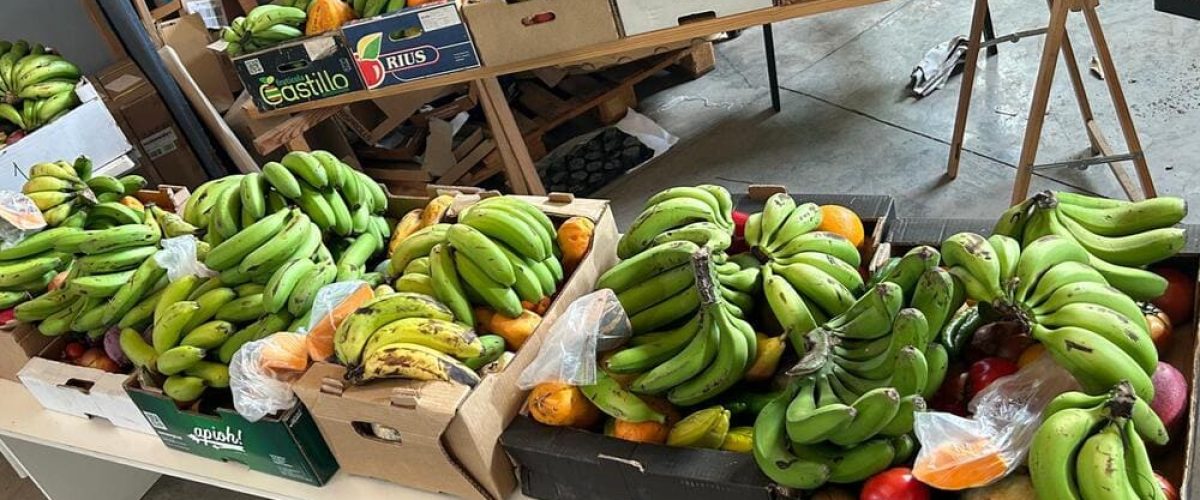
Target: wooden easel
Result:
[[1056, 40]]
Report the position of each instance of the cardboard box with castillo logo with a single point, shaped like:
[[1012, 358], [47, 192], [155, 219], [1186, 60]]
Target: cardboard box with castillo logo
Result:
[[287, 445], [411, 44], [307, 69]]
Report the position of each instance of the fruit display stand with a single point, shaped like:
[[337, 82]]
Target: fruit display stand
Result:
[[563, 462], [448, 433], [1176, 460]]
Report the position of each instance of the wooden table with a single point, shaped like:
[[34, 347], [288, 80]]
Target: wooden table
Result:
[[519, 169], [70, 458]]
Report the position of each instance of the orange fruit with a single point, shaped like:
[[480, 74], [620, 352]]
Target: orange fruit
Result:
[[1031, 354], [961, 465], [841, 220], [647, 432]]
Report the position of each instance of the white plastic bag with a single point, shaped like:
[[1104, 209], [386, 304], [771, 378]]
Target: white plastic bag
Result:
[[1006, 416], [593, 323], [328, 297], [19, 218], [178, 257], [646, 130], [260, 386]]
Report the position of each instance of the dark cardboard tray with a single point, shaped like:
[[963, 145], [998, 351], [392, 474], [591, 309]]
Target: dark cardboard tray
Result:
[[557, 462]]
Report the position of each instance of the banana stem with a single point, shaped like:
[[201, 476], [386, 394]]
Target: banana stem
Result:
[[702, 267], [1121, 403], [1045, 200]]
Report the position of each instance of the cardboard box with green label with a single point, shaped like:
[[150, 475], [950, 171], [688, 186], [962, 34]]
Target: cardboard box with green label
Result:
[[288, 445], [308, 69]]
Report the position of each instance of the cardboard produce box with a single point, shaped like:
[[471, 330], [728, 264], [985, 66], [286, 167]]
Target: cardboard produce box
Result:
[[303, 70], [508, 31], [188, 36], [78, 390], [18, 344], [89, 129], [287, 445], [447, 433], [411, 44], [559, 462], [1176, 461], [160, 145], [31, 358], [642, 16]]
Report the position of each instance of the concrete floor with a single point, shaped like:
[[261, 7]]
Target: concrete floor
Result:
[[849, 126]]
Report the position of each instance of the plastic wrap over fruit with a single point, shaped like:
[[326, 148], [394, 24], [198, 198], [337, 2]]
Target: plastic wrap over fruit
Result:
[[959, 453], [593, 323], [19, 218], [178, 257], [261, 372]]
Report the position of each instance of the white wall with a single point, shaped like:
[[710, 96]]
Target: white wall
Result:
[[62, 24]]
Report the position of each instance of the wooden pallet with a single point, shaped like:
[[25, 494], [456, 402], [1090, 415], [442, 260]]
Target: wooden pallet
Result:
[[539, 108]]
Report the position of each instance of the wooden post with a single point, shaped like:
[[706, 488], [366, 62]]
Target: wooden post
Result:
[[968, 83], [518, 166], [1118, 98], [1041, 97]]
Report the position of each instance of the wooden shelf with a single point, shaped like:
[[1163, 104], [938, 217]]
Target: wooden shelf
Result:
[[690, 31], [23, 418]]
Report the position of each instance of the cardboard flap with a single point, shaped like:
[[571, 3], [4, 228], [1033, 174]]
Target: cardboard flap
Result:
[[409, 406], [47, 373]]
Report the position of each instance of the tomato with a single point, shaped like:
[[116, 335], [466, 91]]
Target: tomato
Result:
[[74, 350], [1168, 488], [986, 371], [894, 484], [1180, 297], [6, 316]]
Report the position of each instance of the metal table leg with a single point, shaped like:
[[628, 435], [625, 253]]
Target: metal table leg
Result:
[[989, 33], [772, 76]]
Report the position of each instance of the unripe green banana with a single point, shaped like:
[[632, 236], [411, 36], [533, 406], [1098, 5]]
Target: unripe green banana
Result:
[[183, 389], [178, 359]]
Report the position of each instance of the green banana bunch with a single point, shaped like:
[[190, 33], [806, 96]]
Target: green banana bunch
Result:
[[1093, 447], [60, 191], [411, 336], [36, 86], [1120, 237], [1095, 331], [501, 252], [325, 189], [712, 347], [701, 214], [265, 26]]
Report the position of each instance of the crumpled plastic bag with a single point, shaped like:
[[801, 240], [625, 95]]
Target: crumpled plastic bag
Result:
[[178, 257], [261, 372], [959, 453], [593, 323], [326, 314], [19, 218]]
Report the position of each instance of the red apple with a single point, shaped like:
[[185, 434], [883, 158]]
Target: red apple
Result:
[[1168, 488], [1170, 395]]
